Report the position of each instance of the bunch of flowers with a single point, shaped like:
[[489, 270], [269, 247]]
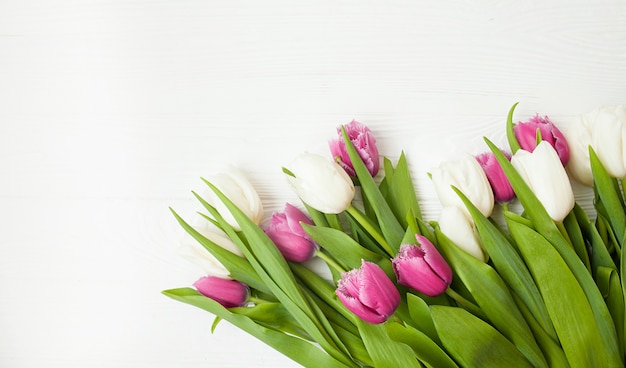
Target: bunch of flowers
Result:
[[540, 288]]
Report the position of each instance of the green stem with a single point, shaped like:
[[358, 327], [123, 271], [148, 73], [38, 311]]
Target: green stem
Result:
[[469, 306], [370, 228], [563, 232], [333, 221], [329, 261]]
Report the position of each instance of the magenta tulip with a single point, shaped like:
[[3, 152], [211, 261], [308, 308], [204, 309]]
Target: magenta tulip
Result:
[[229, 293], [368, 293], [286, 232], [422, 268], [364, 143], [526, 135], [502, 190]]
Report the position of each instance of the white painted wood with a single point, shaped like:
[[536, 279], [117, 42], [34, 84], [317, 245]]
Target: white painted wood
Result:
[[110, 111]]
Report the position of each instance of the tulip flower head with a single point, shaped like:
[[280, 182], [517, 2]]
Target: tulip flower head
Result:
[[604, 129], [468, 176], [229, 293], [238, 189], [422, 268], [364, 143], [368, 293], [459, 228], [502, 190], [286, 232], [526, 135], [320, 183], [545, 175]]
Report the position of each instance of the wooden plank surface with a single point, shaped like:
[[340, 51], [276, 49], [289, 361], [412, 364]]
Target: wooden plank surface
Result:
[[110, 111]]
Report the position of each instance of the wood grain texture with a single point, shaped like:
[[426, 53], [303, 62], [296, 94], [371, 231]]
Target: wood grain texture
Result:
[[111, 111]]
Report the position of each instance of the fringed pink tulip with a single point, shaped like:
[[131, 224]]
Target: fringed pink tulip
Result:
[[364, 143], [368, 293], [286, 232], [526, 135], [502, 190], [229, 293], [422, 268]]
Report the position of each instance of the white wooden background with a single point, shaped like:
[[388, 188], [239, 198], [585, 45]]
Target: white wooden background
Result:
[[111, 111]]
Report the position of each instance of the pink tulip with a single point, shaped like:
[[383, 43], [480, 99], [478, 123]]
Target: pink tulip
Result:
[[422, 268], [502, 191], [526, 135], [368, 293], [286, 232], [364, 143], [229, 293]]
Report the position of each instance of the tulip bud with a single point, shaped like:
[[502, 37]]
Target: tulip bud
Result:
[[604, 129], [544, 174], [502, 190], [286, 232], [422, 268], [466, 175], [239, 190], [321, 183], [202, 258], [526, 135], [364, 143], [460, 229], [368, 293], [229, 293]]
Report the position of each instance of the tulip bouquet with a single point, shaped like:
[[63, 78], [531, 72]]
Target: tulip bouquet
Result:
[[537, 287]]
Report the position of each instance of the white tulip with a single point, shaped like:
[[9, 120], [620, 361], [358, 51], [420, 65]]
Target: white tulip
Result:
[[238, 189], [604, 129], [321, 183], [454, 223], [543, 172], [467, 175], [193, 251]]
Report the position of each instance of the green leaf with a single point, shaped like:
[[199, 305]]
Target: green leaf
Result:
[[301, 351], [609, 194], [420, 314], [551, 349], [510, 132], [389, 225], [426, 350], [600, 256], [401, 191], [275, 316], [610, 286], [341, 246], [493, 298], [576, 237], [473, 342], [573, 321], [384, 351]]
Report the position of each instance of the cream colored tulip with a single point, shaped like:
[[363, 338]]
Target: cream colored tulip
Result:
[[321, 183], [234, 185], [604, 129], [467, 175], [456, 225], [544, 174]]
